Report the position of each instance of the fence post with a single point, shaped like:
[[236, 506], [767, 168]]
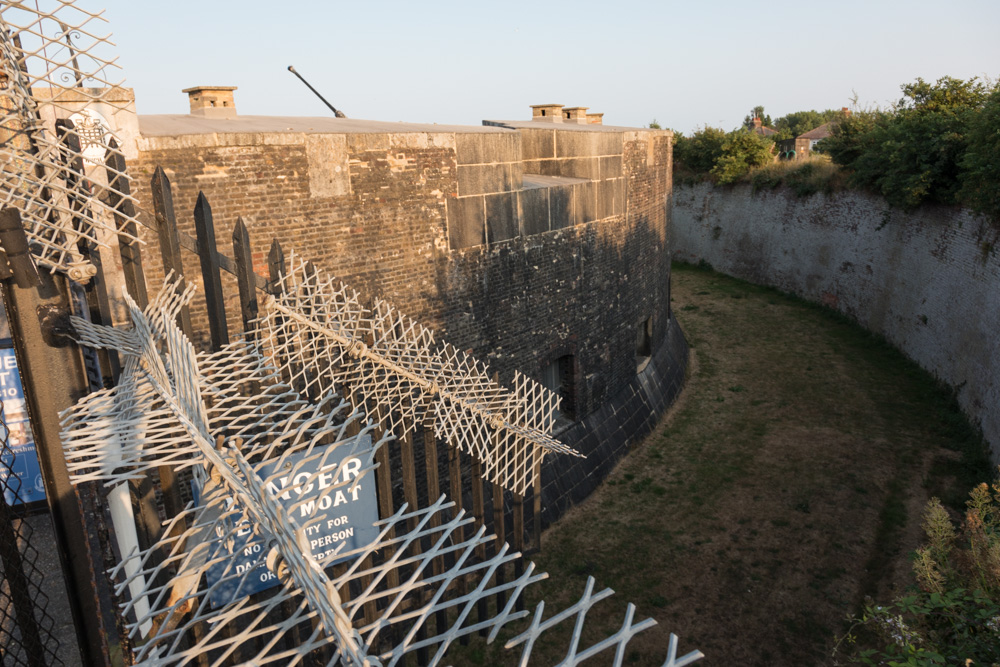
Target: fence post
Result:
[[208, 255], [479, 511], [170, 253], [519, 541], [243, 258], [170, 243], [455, 488], [96, 289], [119, 200], [410, 495], [275, 264], [54, 379], [433, 492]]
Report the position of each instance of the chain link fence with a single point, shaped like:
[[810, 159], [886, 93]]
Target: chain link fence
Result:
[[26, 628]]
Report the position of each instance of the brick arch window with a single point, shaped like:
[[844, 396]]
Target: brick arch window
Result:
[[560, 377]]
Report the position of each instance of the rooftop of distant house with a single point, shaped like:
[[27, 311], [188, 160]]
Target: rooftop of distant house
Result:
[[821, 132], [761, 129]]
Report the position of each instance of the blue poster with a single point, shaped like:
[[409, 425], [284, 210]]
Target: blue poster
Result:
[[345, 517], [22, 462]]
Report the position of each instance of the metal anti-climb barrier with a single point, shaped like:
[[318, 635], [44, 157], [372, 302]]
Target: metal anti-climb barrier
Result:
[[273, 470]]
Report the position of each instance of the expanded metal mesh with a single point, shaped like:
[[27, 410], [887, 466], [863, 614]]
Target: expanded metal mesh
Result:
[[26, 628], [59, 84], [253, 439], [320, 335]]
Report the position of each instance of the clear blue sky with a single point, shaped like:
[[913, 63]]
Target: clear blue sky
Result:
[[683, 63]]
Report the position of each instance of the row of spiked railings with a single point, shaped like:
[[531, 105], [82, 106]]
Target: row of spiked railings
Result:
[[210, 483]]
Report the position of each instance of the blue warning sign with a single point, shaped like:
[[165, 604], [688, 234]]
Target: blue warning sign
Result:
[[19, 471]]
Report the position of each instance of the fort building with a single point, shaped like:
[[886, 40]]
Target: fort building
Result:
[[539, 245]]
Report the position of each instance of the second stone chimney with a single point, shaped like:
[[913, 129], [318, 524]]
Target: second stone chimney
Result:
[[212, 101], [576, 115], [595, 118], [551, 113]]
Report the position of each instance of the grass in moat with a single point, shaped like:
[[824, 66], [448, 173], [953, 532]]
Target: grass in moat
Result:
[[784, 486]]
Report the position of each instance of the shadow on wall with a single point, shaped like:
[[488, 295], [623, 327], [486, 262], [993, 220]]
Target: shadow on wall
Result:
[[588, 305], [584, 291], [928, 281]]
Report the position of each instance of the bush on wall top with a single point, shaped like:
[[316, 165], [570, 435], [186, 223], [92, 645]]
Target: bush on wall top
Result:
[[923, 149]]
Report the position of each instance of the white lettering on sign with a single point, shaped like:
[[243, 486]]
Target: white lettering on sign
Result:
[[345, 472], [332, 538]]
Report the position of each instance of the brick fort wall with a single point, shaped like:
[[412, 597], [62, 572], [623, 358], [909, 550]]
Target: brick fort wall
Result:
[[381, 210]]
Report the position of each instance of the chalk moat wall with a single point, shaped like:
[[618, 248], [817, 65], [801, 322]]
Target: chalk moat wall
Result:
[[929, 281]]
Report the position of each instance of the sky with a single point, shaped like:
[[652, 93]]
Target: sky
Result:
[[686, 65]]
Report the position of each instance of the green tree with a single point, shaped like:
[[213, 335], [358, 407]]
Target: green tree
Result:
[[981, 162], [912, 153], [654, 125], [756, 112], [695, 156], [741, 151]]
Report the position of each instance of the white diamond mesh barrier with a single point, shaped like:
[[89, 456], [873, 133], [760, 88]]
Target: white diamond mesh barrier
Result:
[[268, 464], [319, 334], [59, 152]]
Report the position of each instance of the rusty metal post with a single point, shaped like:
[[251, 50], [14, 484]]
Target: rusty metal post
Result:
[[54, 379]]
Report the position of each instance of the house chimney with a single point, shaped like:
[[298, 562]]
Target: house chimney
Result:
[[212, 101], [845, 111], [757, 123], [576, 115], [595, 118], [550, 113]]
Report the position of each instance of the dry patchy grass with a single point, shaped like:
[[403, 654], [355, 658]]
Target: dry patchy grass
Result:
[[784, 486]]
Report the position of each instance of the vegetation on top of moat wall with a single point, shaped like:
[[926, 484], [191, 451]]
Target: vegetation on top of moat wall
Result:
[[928, 280], [937, 144]]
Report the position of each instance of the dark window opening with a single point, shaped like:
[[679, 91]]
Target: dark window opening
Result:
[[543, 112], [560, 377], [643, 342]]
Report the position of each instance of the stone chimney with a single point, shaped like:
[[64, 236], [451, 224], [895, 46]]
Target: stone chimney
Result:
[[576, 115], [212, 101], [550, 113], [595, 118]]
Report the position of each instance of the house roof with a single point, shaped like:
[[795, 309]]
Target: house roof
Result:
[[764, 130], [822, 132]]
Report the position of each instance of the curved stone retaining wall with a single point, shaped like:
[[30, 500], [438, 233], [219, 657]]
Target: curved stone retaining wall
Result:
[[929, 281], [606, 435]]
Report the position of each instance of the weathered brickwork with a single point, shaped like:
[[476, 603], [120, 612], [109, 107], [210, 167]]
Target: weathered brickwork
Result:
[[377, 216], [929, 281], [382, 237]]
